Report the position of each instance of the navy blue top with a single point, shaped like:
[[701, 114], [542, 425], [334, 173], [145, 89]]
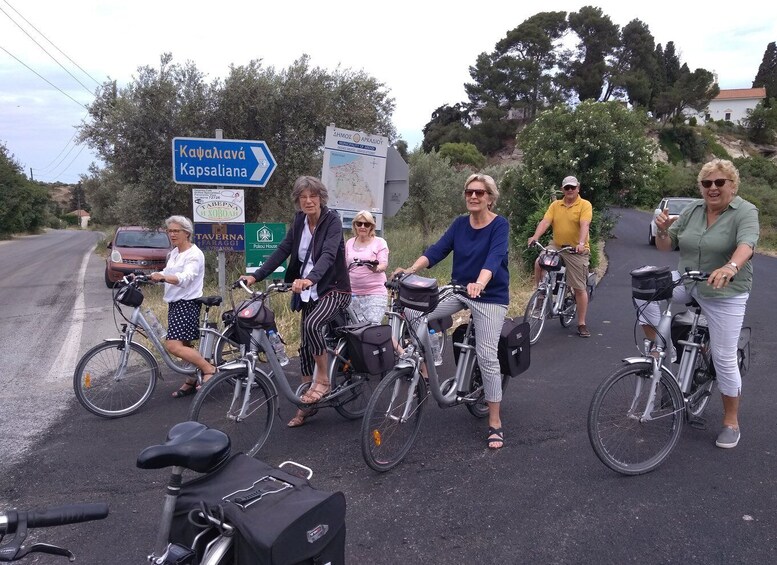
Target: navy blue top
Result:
[[474, 250]]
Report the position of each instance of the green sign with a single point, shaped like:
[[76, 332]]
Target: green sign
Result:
[[261, 240]]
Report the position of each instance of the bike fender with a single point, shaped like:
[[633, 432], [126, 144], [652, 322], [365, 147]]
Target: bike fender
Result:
[[635, 360], [231, 365], [404, 364]]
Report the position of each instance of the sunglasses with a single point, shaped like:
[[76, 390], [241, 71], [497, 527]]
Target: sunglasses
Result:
[[362, 224], [469, 192], [718, 182], [570, 187]]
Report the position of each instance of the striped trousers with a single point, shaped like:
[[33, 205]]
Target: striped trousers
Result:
[[313, 327]]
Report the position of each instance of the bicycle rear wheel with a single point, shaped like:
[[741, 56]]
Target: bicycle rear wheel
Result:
[[392, 420], [479, 409], [219, 402], [111, 384], [568, 308], [227, 347], [535, 314], [620, 440]]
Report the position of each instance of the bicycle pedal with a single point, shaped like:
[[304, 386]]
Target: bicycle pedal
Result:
[[697, 423]]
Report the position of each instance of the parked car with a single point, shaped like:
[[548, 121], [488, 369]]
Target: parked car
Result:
[[134, 248], [675, 205]]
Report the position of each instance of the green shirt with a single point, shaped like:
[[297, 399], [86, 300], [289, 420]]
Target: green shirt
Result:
[[707, 249]]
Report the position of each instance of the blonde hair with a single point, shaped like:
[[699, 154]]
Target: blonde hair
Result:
[[724, 166], [363, 216], [490, 183]]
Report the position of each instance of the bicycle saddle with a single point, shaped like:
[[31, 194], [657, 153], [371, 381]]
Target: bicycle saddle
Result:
[[190, 445], [209, 300]]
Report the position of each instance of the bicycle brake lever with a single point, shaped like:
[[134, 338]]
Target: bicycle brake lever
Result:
[[45, 548]]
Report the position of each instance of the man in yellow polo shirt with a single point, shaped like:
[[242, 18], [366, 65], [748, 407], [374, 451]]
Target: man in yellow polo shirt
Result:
[[570, 218]]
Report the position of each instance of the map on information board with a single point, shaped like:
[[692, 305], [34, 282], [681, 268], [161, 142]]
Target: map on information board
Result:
[[354, 172]]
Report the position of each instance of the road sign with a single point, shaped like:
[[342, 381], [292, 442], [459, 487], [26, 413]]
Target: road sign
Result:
[[222, 162], [219, 237], [261, 240]]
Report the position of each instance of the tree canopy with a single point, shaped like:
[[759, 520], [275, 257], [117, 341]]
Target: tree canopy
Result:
[[767, 71], [24, 202]]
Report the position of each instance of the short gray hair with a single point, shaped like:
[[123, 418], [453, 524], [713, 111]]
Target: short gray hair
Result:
[[182, 221], [314, 185]]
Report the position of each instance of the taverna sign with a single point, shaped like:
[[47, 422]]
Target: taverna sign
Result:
[[219, 205]]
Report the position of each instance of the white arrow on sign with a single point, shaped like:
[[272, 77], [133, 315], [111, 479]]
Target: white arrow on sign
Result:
[[263, 163]]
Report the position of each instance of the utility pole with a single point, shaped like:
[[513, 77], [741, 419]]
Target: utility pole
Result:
[[31, 177]]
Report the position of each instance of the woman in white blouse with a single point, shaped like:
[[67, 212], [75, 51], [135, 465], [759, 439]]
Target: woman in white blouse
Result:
[[183, 277]]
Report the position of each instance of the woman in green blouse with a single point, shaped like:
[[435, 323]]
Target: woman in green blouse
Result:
[[718, 235]]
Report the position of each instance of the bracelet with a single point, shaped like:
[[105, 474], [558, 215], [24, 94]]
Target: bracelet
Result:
[[480, 283], [730, 268], [663, 234]]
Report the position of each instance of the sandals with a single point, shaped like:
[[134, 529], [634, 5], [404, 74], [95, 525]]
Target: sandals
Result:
[[205, 378], [313, 396], [181, 392], [495, 435], [300, 417]]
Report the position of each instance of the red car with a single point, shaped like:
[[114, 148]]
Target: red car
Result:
[[135, 248]]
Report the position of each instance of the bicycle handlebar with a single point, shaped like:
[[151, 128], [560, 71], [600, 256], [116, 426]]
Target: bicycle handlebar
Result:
[[543, 248]]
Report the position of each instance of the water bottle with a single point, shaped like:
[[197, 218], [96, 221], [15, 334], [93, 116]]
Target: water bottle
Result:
[[155, 324], [278, 347], [434, 338]]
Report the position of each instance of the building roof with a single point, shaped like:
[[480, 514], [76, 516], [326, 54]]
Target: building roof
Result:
[[742, 93], [79, 213]]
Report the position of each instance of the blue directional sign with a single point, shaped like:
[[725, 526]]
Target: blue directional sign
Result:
[[222, 162]]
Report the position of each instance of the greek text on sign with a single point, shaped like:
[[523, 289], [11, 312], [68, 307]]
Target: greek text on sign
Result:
[[218, 205], [222, 162]]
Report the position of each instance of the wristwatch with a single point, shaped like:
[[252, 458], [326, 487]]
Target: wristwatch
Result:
[[732, 264]]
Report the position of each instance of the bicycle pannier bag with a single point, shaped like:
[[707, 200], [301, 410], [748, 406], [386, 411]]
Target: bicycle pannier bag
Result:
[[651, 283], [419, 293], [551, 261], [129, 296], [370, 348], [513, 349], [255, 314], [280, 518]]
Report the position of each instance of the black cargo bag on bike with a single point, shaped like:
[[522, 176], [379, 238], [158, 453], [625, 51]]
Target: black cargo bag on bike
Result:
[[550, 261], [652, 283], [513, 349], [250, 314], [129, 295], [419, 293], [370, 348], [280, 518]]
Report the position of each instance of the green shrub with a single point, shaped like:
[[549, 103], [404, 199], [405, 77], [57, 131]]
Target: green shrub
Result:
[[463, 154]]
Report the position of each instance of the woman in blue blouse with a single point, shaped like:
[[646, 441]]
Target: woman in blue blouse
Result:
[[479, 245]]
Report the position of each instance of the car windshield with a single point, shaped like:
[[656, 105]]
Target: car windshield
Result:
[[677, 206], [149, 239]]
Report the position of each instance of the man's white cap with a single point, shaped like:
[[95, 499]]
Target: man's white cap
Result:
[[570, 181]]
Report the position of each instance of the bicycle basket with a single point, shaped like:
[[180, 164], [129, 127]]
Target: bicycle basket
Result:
[[129, 295], [254, 313], [419, 293], [651, 283], [551, 261]]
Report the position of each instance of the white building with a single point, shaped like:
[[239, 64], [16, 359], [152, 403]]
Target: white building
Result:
[[732, 105]]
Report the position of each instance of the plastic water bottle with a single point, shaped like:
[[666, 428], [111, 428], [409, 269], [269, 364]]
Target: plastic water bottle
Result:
[[278, 347], [155, 324], [434, 338]]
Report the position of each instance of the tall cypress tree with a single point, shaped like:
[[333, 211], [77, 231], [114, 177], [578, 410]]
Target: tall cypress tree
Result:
[[767, 72]]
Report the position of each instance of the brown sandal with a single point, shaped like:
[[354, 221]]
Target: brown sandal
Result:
[[314, 396], [300, 417]]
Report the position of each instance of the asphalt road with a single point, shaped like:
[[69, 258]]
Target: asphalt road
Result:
[[544, 498]]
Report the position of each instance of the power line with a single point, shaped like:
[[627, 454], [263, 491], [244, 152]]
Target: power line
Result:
[[46, 52], [42, 77], [49, 166], [56, 174]]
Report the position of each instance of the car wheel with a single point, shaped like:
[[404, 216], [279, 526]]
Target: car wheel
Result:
[[108, 282], [651, 237]]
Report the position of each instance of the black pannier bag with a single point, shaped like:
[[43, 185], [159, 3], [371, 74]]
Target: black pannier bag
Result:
[[513, 349], [280, 518], [651, 283], [248, 315], [370, 348], [129, 295], [551, 261], [419, 293]]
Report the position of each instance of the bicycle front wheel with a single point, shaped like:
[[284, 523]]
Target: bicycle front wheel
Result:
[[568, 308], [220, 404], [112, 382], [619, 433], [536, 312], [392, 420]]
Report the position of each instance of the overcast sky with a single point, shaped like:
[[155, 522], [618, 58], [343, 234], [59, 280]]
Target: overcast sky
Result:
[[421, 50]]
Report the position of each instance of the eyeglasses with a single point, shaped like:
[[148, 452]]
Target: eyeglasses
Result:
[[718, 182], [570, 187], [362, 224], [174, 231], [470, 192]]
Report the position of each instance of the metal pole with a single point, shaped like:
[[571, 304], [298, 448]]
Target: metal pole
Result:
[[222, 259]]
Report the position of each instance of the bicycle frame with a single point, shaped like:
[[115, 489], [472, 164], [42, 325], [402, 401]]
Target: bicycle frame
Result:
[[556, 285]]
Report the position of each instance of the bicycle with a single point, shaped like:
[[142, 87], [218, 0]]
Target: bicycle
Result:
[[637, 413], [118, 376], [393, 417], [242, 398], [18, 522], [561, 302]]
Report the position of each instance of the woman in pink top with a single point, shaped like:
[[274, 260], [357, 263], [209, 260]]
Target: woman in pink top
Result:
[[367, 282]]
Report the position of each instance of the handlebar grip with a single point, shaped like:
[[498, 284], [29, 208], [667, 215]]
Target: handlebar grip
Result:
[[70, 514]]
